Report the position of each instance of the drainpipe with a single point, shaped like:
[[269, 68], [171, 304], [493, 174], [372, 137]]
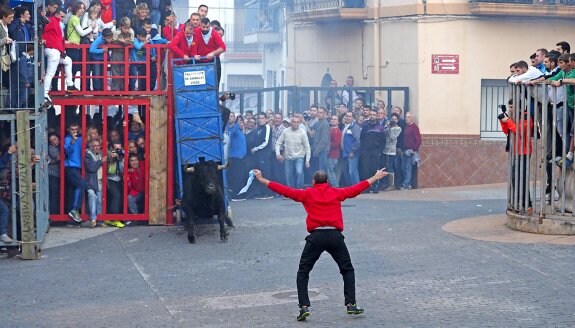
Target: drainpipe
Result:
[[377, 44], [424, 7]]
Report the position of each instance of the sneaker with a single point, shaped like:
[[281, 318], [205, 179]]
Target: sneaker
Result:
[[75, 216], [71, 88], [115, 223], [265, 197], [5, 239], [303, 313], [354, 309], [87, 224], [238, 199], [93, 223]]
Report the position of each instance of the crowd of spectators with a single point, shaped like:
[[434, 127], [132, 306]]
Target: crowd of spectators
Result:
[[97, 156], [349, 143], [553, 75]]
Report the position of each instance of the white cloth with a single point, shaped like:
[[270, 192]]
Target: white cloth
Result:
[[248, 184], [53, 59]]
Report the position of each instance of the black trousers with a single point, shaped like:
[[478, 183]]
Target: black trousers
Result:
[[331, 241]]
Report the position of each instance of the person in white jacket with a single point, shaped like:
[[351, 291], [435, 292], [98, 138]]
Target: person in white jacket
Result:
[[524, 73]]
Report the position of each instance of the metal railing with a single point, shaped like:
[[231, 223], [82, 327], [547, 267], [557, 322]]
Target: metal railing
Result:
[[529, 2], [303, 6], [293, 99], [540, 172]]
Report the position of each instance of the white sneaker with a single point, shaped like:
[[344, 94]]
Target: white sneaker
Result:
[[5, 239]]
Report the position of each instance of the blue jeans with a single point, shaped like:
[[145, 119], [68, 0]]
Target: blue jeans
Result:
[[331, 176], [155, 16], [294, 166], [98, 70], [134, 203], [140, 71], [390, 163], [353, 169], [322, 161], [4, 216], [76, 182], [95, 202], [407, 167]]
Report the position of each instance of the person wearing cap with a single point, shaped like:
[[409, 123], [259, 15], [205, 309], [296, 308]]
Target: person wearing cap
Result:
[[324, 222]]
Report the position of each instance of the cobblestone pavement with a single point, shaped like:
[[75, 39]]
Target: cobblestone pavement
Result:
[[409, 272]]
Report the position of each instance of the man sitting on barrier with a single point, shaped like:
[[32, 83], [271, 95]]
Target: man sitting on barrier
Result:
[[55, 54]]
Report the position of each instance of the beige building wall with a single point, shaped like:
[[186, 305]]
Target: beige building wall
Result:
[[443, 103]]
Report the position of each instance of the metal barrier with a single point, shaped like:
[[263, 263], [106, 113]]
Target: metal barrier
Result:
[[24, 185], [293, 99], [540, 174], [110, 116], [113, 72]]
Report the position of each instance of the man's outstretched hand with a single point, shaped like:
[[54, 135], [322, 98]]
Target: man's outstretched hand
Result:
[[260, 177], [379, 174]]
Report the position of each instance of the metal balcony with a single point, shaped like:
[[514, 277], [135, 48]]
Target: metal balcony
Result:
[[530, 8], [328, 10]]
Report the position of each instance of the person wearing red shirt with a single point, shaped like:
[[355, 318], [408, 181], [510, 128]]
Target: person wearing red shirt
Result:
[[324, 223], [136, 184], [55, 54], [171, 28], [522, 150], [184, 44], [210, 44]]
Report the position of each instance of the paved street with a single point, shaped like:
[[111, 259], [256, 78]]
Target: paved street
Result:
[[410, 272]]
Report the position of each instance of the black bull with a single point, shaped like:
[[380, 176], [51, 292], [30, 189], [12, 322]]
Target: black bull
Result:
[[204, 197]]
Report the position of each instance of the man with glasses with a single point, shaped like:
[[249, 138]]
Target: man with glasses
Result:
[[73, 169]]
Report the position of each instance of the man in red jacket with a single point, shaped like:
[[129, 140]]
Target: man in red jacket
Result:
[[185, 44], [210, 44], [324, 223], [55, 54]]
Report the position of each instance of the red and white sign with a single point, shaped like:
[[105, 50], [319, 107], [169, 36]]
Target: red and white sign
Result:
[[444, 64]]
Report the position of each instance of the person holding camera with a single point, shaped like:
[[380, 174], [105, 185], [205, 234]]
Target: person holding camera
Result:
[[115, 175], [392, 132], [521, 150]]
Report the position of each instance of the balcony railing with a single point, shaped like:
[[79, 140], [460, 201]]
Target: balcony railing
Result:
[[529, 2], [533, 8], [306, 6]]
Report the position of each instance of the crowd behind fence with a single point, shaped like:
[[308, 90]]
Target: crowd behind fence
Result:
[[539, 124]]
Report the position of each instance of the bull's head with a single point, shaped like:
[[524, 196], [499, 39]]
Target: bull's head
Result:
[[206, 175]]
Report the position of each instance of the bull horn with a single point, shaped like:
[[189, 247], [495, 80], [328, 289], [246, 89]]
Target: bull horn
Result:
[[190, 169], [222, 167]]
